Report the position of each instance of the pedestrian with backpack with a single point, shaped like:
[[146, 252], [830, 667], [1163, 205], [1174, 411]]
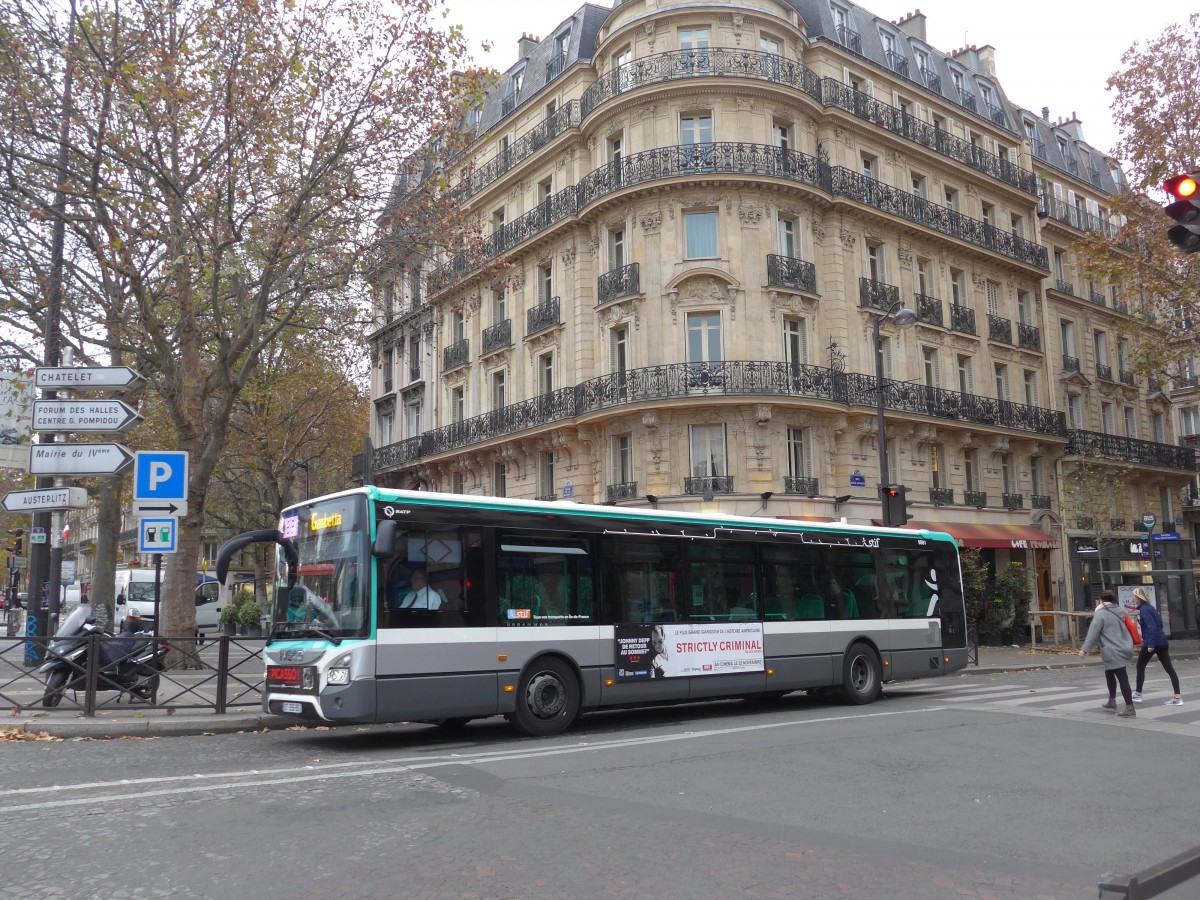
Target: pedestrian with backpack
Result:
[[1154, 643], [1109, 633]]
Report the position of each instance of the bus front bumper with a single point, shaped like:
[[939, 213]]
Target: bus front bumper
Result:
[[348, 704]]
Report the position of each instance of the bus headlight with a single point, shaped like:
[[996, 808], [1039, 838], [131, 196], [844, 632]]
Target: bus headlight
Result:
[[339, 676]]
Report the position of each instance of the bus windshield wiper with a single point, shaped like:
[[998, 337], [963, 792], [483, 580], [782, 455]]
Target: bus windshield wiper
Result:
[[336, 641]]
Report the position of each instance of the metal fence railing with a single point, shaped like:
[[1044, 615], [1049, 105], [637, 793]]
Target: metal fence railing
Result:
[[216, 674]]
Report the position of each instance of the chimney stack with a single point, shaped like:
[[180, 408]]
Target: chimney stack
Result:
[[913, 25], [1045, 114], [525, 45]]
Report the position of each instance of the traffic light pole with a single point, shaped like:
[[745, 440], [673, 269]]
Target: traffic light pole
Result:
[[880, 424]]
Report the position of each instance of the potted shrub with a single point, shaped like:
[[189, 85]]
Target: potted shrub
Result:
[[250, 615], [229, 619]]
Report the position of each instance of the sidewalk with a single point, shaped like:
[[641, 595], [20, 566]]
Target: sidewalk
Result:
[[143, 723]]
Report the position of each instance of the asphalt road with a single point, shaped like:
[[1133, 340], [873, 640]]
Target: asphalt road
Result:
[[1003, 785]]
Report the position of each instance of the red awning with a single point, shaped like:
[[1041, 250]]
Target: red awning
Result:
[[999, 537]]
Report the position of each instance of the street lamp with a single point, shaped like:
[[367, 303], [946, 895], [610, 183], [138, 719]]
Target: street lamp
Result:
[[304, 466], [904, 318]]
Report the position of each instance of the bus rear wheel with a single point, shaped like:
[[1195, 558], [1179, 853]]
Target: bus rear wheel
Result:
[[547, 699], [862, 675]]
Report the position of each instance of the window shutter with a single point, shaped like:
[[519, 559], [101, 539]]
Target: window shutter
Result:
[[886, 345], [806, 444], [937, 369]]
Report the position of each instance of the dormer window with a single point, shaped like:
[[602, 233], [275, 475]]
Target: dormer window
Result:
[[558, 62]]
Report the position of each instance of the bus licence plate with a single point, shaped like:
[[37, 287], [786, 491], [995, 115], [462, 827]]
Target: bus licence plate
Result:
[[289, 707]]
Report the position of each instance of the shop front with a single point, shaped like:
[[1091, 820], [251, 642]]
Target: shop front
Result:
[[1127, 562]]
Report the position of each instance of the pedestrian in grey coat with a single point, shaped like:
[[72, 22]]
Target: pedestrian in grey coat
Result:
[[1109, 634]]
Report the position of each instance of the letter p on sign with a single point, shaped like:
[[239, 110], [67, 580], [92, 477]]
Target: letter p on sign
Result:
[[160, 475]]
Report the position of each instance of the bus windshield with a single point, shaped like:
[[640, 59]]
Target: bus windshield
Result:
[[329, 597]]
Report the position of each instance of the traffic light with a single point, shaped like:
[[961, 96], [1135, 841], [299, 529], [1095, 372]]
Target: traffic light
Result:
[[895, 506], [1184, 209], [17, 544]]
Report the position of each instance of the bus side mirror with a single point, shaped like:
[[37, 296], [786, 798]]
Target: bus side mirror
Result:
[[385, 539]]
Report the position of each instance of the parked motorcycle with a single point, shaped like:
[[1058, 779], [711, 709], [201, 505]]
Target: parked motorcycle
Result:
[[130, 662]]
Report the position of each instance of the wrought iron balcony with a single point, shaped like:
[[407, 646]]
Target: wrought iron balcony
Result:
[[556, 67], [789, 272], [727, 379], [932, 80], [941, 496], [962, 319], [541, 317], [897, 63], [618, 283], [1104, 372], [761, 160], [456, 355], [998, 115], [975, 498], [565, 117], [809, 487], [929, 310], [708, 484], [1130, 450], [1076, 217], [547, 497], [1085, 523], [1070, 364], [1013, 501], [1064, 287], [897, 121], [497, 337], [967, 101], [1039, 149], [712, 61], [1096, 297], [999, 329], [1029, 337], [877, 294], [1127, 378], [508, 104], [1039, 501], [1118, 524], [626, 490], [849, 39]]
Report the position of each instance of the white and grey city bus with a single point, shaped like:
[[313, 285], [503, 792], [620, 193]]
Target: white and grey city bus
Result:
[[413, 606]]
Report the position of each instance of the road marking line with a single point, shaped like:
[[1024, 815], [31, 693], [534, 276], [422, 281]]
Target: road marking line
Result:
[[395, 767]]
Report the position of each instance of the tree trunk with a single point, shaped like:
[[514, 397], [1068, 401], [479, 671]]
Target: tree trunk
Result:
[[108, 530]]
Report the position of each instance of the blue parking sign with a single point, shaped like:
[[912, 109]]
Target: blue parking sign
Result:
[[160, 475]]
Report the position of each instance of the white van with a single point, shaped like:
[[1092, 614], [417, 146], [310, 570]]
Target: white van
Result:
[[136, 586]]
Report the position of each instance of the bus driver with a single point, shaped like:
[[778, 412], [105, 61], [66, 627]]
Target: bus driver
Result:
[[422, 596]]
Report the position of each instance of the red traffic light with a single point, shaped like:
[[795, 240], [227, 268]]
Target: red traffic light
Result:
[[1182, 186]]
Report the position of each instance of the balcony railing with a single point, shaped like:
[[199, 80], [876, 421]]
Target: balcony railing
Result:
[[849, 39], [723, 379], [626, 490], [497, 337], [541, 317], [929, 310], [1039, 501], [547, 497], [941, 496], [1013, 501], [1103, 372], [789, 272], [1039, 149], [1127, 378], [556, 67], [962, 319], [999, 329], [877, 294], [932, 80], [708, 484], [967, 101], [1096, 297], [1076, 217], [897, 63], [1064, 287], [508, 104], [618, 283], [1070, 364], [1130, 450], [565, 117], [1118, 524], [692, 160], [1029, 337], [998, 115], [1085, 523], [809, 487], [456, 355], [975, 498]]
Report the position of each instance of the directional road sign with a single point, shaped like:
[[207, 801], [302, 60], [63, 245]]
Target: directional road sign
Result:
[[83, 415], [161, 475], [174, 508], [78, 459], [157, 535], [49, 498], [97, 378]]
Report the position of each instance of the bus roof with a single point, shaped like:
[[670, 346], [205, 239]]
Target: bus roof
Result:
[[570, 507]]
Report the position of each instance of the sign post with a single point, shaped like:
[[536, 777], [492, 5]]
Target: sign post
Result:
[[160, 486]]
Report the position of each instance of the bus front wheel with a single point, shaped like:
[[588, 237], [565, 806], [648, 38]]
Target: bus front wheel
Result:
[[547, 700], [862, 675]]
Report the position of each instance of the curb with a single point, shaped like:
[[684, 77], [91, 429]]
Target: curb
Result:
[[151, 726]]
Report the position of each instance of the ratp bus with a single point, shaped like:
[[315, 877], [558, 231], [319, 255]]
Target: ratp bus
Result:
[[415, 606]]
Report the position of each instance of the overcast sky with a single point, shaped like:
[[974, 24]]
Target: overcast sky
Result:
[[1056, 53]]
